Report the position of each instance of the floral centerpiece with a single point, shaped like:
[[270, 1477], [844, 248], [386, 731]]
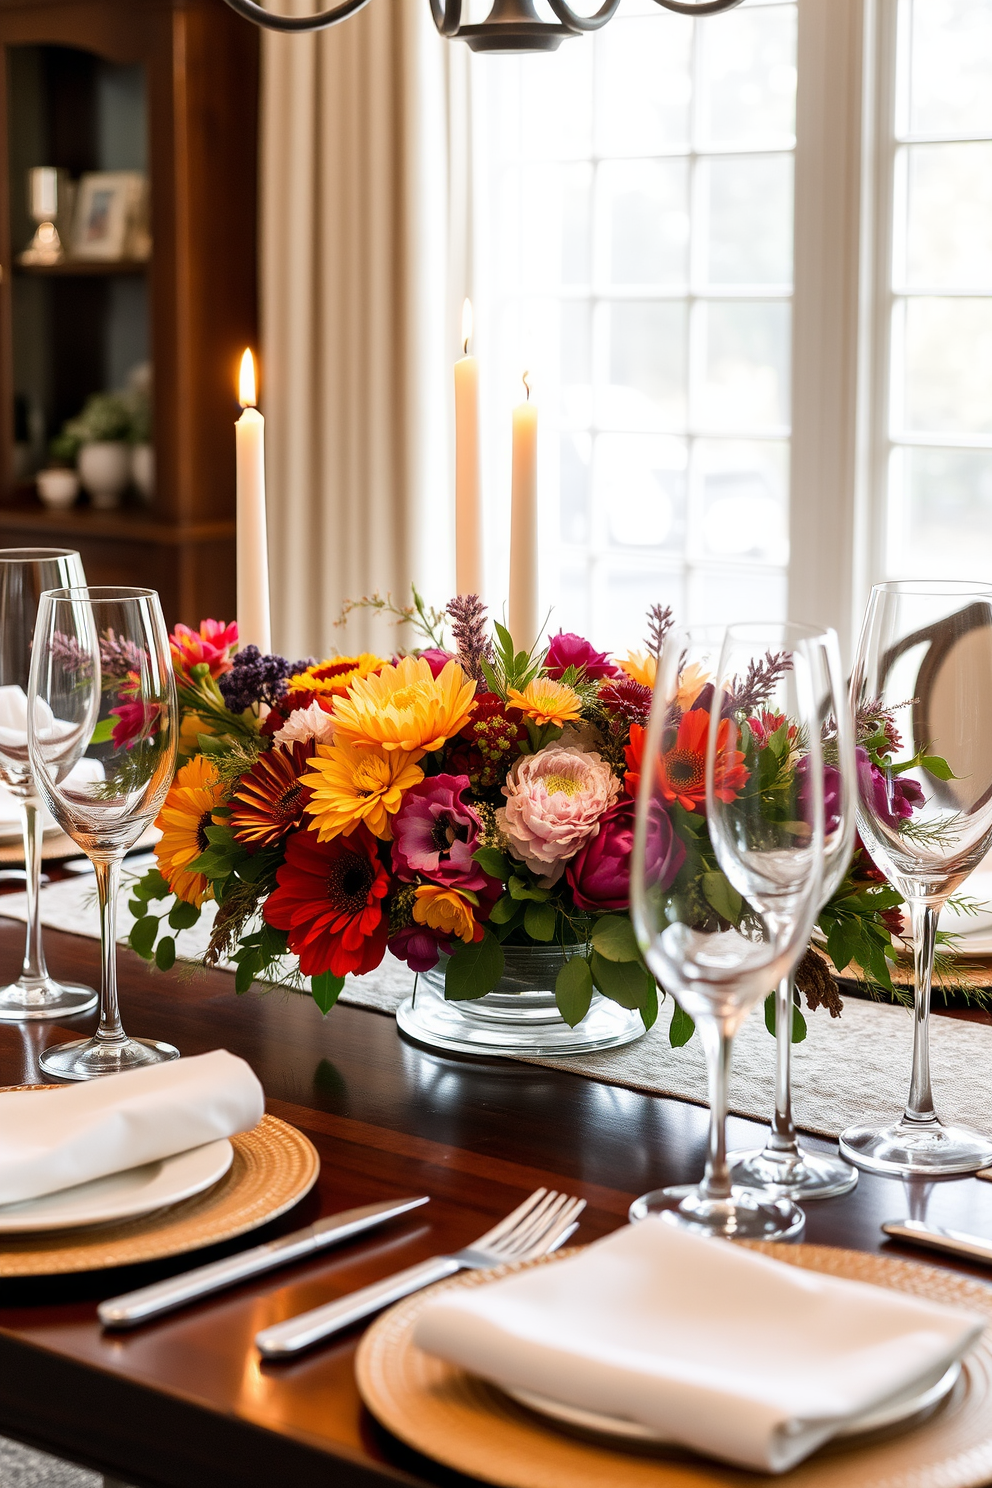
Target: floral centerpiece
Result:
[[448, 804]]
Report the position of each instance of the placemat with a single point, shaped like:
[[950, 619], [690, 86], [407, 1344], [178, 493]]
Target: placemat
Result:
[[851, 1068]]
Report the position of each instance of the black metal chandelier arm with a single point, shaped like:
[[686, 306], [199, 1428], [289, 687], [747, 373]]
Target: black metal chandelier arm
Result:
[[710, 7], [574, 22], [319, 22], [447, 17]]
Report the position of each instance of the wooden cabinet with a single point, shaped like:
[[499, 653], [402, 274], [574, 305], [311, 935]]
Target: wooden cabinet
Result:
[[186, 71]]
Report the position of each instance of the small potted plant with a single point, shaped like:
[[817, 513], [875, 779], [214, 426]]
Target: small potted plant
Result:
[[58, 484], [104, 463]]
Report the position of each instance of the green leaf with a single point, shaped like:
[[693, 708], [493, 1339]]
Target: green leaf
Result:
[[649, 1012], [142, 936], [151, 886], [520, 889], [210, 744], [798, 1021], [248, 968], [325, 990], [539, 921], [165, 953], [934, 765], [682, 1028], [104, 731], [613, 937], [474, 969], [493, 862], [721, 895], [573, 990], [844, 940], [503, 910], [183, 916], [625, 982]]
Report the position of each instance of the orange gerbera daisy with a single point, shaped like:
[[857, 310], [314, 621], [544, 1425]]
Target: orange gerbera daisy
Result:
[[352, 785], [405, 708], [186, 813], [270, 798], [334, 676], [446, 910], [546, 701], [682, 767], [639, 665]]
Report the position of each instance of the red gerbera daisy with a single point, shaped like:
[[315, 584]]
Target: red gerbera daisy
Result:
[[270, 798], [682, 766], [330, 901]]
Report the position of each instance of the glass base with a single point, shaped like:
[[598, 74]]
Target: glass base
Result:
[[24, 1002], [488, 1027], [793, 1175], [908, 1147], [747, 1215], [89, 1059]]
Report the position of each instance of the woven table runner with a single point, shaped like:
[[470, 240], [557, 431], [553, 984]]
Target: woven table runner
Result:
[[851, 1068]]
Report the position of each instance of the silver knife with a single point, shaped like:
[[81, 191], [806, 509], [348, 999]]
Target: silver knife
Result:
[[955, 1242], [162, 1296]]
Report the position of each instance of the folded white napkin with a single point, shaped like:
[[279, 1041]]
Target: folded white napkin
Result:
[[711, 1346], [55, 1140]]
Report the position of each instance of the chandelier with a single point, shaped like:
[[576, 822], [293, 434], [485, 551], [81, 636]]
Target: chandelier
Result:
[[511, 26]]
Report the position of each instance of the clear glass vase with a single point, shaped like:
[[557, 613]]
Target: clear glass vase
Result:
[[519, 1016]]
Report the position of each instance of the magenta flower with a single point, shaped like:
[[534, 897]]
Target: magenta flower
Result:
[[418, 946], [135, 721], [599, 876], [569, 650], [435, 834], [892, 798], [436, 659]]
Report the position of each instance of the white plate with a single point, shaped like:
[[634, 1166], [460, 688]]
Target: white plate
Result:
[[122, 1195], [900, 1409]]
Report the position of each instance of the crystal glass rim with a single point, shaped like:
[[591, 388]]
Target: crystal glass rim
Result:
[[36, 555], [933, 586], [98, 594]]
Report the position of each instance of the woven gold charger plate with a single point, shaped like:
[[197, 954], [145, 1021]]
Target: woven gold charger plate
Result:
[[465, 1423], [274, 1166]]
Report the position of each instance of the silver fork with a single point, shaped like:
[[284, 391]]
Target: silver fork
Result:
[[535, 1228]]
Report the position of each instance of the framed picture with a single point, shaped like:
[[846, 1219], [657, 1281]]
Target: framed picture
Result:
[[109, 221]]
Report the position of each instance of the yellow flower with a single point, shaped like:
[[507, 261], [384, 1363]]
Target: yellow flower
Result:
[[691, 683], [546, 701], [357, 785], [405, 707], [334, 676], [186, 813], [640, 666], [446, 910], [189, 730]]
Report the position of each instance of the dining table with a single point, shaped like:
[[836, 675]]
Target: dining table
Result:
[[186, 1401]]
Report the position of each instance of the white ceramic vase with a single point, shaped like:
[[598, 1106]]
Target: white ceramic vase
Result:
[[58, 488], [143, 471], [105, 470]]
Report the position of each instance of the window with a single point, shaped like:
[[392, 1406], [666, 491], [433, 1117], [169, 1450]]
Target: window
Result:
[[936, 454], [637, 212]]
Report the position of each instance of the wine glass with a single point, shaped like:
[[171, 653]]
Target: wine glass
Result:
[[782, 1164], [102, 688], [726, 871], [24, 574], [921, 691]]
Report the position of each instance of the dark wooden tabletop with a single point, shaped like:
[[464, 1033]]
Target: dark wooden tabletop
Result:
[[185, 1402]]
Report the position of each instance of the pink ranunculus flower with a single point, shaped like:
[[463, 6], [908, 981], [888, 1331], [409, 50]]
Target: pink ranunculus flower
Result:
[[555, 800], [213, 643], [599, 876], [435, 834], [567, 649], [313, 722]]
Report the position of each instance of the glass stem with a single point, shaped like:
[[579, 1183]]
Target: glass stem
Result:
[[718, 1045], [919, 1108], [34, 972], [782, 1133], [108, 878]]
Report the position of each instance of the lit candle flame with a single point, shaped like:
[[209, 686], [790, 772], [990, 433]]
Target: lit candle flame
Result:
[[246, 380], [466, 325], [526, 381]]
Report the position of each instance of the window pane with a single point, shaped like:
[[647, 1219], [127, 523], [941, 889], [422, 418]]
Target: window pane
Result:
[[646, 388], [950, 85], [941, 513], [728, 596], [640, 485], [948, 365], [744, 487], [646, 204], [749, 78], [749, 213], [628, 593], [746, 378], [553, 121], [949, 231], [645, 85], [574, 474]]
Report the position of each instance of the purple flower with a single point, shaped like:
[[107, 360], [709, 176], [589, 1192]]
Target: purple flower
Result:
[[831, 795], [569, 650], [599, 875], [892, 798], [255, 678], [435, 834], [418, 946], [436, 659]]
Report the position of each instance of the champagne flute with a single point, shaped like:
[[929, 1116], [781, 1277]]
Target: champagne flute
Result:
[[782, 1164], [921, 688], [24, 574], [102, 688], [730, 915]]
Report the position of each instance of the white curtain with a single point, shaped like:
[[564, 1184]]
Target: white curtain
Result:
[[363, 208]]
